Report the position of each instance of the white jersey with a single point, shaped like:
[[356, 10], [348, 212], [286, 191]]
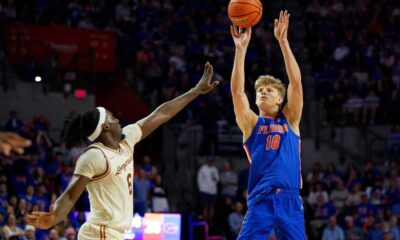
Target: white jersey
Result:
[[111, 173]]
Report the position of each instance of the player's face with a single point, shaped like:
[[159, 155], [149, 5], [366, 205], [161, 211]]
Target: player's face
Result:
[[267, 97], [116, 130]]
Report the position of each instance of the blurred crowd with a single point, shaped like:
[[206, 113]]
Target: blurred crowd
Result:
[[162, 46], [355, 54]]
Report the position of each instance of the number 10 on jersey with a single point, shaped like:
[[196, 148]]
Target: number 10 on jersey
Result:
[[272, 142]]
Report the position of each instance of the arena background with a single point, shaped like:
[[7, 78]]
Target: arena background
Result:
[[65, 56]]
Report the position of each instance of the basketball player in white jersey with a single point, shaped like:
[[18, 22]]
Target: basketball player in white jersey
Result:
[[106, 167]]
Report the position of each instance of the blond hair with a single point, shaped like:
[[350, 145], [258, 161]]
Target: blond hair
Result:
[[268, 80]]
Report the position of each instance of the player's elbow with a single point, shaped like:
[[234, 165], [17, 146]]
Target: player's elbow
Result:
[[296, 80]]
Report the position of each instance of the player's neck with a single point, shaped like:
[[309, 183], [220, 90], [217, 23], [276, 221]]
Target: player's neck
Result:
[[268, 113], [110, 143]]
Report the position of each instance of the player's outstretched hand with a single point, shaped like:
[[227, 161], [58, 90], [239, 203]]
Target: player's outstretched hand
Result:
[[281, 26], [241, 36], [205, 85], [42, 220], [12, 142]]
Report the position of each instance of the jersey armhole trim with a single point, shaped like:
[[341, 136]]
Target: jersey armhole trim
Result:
[[290, 126], [252, 132], [100, 176], [247, 153]]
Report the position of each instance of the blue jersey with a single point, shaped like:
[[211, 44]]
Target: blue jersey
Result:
[[273, 150]]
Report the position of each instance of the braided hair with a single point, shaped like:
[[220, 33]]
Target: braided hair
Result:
[[78, 127]]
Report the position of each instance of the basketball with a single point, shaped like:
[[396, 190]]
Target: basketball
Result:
[[245, 13]]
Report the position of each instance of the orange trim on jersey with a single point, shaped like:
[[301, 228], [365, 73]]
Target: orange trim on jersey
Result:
[[125, 143], [108, 165], [106, 148], [101, 232], [247, 153], [301, 178], [270, 117], [98, 177]]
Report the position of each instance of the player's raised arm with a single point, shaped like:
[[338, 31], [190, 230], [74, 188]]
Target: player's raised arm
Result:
[[245, 117], [294, 106], [169, 109], [62, 206]]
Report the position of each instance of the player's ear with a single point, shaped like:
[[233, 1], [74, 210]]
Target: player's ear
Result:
[[106, 127], [280, 100]]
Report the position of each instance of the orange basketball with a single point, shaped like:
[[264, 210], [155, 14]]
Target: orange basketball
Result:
[[245, 13]]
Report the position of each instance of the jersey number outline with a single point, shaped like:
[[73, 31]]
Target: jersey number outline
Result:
[[129, 180], [272, 142]]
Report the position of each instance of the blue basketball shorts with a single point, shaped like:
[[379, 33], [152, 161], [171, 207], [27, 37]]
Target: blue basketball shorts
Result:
[[280, 210]]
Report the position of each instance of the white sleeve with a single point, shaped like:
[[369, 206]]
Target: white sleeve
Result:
[[92, 163], [216, 174], [132, 133]]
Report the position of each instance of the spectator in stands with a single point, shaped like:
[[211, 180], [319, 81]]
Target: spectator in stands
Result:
[[352, 232], [370, 174], [339, 194], [22, 209], [352, 176], [29, 233], [43, 144], [364, 207], [53, 235], [39, 124], [10, 228], [354, 197], [316, 174], [14, 124], [392, 194], [331, 177], [229, 181], [376, 231], [333, 231], [70, 233], [377, 186], [123, 11], [159, 201], [323, 211], [316, 192], [148, 168], [142, 187], [394, 228], [66, 152], [392, 176], [235, 220], [207, 180]]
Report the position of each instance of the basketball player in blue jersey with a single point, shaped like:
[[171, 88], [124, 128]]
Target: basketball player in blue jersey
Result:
[[271, 141]]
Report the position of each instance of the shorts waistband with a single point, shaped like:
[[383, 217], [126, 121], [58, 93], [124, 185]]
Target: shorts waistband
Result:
[[119, 230], [273, 192]]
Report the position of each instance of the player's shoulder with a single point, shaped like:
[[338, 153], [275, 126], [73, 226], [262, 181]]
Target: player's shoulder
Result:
[[131, 128], [93, 150]]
